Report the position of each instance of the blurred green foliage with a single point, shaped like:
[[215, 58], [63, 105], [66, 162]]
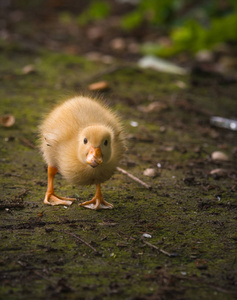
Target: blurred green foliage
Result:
[[191, 25], [96, 10], [152, 11], [192, 37]]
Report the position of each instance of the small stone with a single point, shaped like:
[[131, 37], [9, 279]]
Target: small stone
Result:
[[95, 33], [183, 273], [218, 155], [134, 123], [181, 84], [146, 235], [118, 44], [93, 56], [133, 47], [107, 59], [205, 56], [162, 129], [28, 69], [150, 172]]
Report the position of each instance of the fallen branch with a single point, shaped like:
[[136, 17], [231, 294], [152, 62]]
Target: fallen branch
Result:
[[134, 178], [78, 238], [159, 249]]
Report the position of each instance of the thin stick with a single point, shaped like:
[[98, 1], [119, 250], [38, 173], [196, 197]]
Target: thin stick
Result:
[[27, 143], [159, 249], [134, 178], [78, 238]]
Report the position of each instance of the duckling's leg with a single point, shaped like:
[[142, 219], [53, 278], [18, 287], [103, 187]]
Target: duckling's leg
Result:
[[50, 197], [98, 201]]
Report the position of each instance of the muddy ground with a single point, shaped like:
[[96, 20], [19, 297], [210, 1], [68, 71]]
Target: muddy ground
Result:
[[174, 241]]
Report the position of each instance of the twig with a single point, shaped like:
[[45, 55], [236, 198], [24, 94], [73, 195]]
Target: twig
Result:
[[77, 238], [134, 178], [159, 249], [27, 143], [23, 193]]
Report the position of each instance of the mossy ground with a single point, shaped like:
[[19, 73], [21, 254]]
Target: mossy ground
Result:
[[188, 213]]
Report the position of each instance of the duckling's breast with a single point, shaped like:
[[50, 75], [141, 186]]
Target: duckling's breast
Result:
[[86, 175]]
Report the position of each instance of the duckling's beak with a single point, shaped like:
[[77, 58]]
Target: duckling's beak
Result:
[[94, 157]]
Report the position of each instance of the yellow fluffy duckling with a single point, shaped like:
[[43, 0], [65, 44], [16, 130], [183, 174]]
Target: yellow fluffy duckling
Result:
[[83, 140]]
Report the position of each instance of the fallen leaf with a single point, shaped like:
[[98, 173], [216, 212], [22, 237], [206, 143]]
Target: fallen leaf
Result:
[[153, 107], [7, 120], [98, 86], [218, 172]]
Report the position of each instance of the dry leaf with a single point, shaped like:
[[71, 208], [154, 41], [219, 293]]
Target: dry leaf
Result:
[[218, 172], [7, 120], [98, 86], [154, 106]]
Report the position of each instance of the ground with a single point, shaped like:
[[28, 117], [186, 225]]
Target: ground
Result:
[[176, 240], [188, 213]]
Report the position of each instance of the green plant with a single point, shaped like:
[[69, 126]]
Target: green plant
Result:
[[97, 10], [192, 36]]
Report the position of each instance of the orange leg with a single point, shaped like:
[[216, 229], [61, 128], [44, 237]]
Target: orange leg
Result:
[[50, 197], [98, 201]]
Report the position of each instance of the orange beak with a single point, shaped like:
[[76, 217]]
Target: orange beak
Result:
[[94, 157]]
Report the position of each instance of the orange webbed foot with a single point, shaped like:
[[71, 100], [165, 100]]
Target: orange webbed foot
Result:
[[53, 199], [97, 202], [50, 197]]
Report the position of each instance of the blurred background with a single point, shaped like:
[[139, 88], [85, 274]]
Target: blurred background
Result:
[[188, 32]]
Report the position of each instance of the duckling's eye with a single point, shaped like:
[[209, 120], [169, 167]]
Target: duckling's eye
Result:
[[85, 141], [106, 142]]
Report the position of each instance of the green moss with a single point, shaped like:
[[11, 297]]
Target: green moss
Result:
[[182, 218]]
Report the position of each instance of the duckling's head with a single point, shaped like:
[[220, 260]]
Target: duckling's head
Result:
[[95, 145]]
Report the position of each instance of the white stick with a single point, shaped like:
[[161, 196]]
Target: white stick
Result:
[[134, 178]]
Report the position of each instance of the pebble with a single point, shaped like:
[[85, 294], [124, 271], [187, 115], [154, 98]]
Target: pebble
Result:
[[150, 172], [118, 44], [95, 33], [218, 155], [134, 123], [146, 235], [205, 56], [28, 69]]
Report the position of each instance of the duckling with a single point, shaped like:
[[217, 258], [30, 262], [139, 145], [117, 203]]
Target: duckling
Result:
[[83, 140]]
